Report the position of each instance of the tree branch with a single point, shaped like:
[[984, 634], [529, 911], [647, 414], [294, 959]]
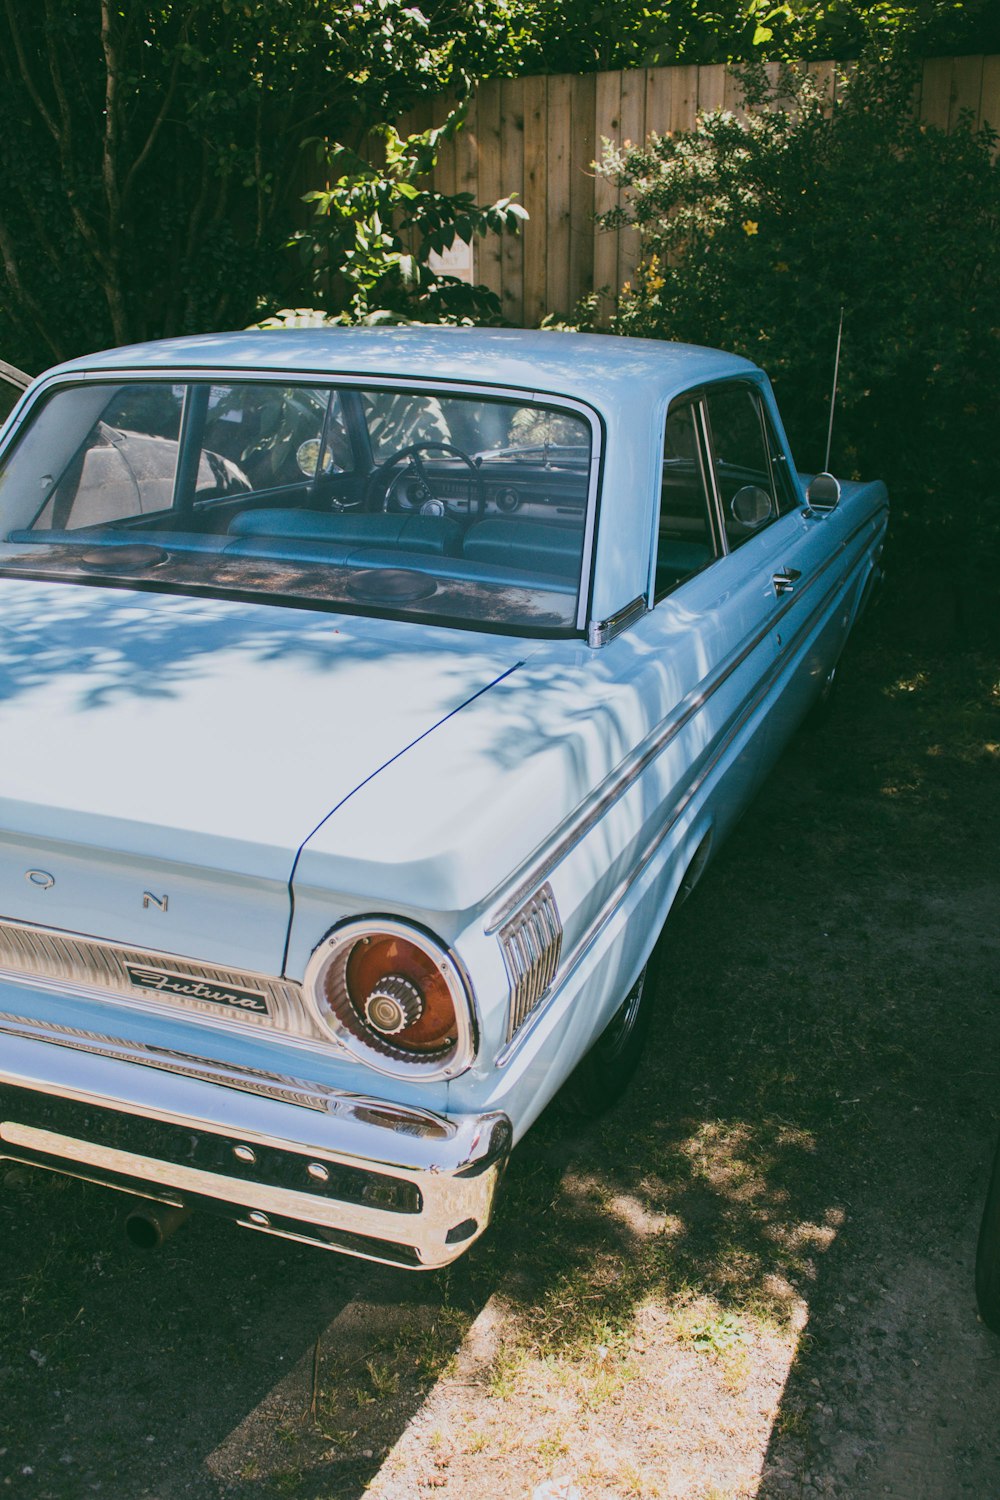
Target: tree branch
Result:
[[22, 294], [52, 253], [26, 77], [161, 116], [109, 176], [111, 123], [57, 83]]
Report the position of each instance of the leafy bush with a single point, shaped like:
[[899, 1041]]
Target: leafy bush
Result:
[[150, 153], [757, 231], [367, 253], [577, 36]]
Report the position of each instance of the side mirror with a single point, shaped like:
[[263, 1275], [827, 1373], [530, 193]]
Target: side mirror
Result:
[[823, 492], [751, 506]]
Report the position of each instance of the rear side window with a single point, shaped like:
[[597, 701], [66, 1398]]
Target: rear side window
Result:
[[124, 467], [742, 462], [686, 541]]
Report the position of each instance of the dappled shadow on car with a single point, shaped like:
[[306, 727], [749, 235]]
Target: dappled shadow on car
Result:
[[807, 1143]]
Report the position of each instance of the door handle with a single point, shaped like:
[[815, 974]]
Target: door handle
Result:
[[784, 582]]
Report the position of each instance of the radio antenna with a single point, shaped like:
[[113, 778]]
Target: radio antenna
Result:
[[833, 393]]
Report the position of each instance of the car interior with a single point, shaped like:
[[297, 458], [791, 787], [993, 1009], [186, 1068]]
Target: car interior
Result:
[[486, 491]]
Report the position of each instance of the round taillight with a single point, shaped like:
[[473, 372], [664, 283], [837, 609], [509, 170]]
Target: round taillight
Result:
[[394, 997]]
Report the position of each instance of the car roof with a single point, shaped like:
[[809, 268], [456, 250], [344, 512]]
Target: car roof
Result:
[[598, 368]]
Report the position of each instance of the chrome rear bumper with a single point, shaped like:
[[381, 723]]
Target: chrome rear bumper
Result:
[[360, 1175]]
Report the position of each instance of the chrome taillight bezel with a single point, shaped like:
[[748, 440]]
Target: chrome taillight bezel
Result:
[[345, 1026]]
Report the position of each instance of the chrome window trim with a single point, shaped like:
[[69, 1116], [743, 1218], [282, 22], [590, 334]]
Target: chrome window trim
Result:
[[694, 399], [599, 633], [539, 865]]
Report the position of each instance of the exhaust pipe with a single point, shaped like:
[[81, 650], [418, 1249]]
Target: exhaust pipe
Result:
[[148, 1224]]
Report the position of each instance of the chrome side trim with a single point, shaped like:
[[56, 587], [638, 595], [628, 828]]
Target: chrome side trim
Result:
[[531, 943], [591, 934], [600, 632], [540, 865], [403, 1119], [76, 961]]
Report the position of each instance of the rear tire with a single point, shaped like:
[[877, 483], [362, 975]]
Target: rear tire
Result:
[[822, 710], [988, 1254], [602, 1077]]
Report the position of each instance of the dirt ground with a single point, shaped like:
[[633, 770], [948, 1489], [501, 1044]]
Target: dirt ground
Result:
[[752, 1278]]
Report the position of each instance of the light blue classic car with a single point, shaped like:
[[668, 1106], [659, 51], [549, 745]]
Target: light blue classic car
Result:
[[369, 697]]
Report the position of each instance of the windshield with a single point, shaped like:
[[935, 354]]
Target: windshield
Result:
[[454, 507]]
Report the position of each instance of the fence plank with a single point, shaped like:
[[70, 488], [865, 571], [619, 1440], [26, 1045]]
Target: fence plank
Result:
[[633, 128], [711, 88], [490, 184], [446, 171], [582, 188], [660, 85], [683, 99], [966, 89], [843, 72], [732, 95], [467, 170], [512, 172], [607, 125], [822, 74], [557, 295], [935, 91], [535, 198], [989, 108]]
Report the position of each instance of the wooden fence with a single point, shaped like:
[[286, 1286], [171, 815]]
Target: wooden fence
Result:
[[539, 137]]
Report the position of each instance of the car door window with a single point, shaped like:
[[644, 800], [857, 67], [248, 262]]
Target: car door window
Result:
[[125, 467], [686, 541], [743, 472], [268, 437]]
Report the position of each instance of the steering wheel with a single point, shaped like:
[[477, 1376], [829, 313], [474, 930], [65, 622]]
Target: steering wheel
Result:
[[382, 488]]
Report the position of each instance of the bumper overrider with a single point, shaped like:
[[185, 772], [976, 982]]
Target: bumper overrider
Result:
[[360, 1175]]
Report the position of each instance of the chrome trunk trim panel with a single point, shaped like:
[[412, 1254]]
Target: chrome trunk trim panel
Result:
[[402, 1119], [76, 962]]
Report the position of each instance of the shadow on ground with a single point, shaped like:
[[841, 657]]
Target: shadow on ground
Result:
[[814, 1125]]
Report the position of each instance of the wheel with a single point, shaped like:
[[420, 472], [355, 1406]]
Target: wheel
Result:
[[821, 711], [988, 1254], [602, 1077]]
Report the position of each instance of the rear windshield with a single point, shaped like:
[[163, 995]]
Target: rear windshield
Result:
[[453, 507]]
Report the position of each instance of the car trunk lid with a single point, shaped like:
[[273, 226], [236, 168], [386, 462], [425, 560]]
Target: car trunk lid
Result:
[[165, 758]]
